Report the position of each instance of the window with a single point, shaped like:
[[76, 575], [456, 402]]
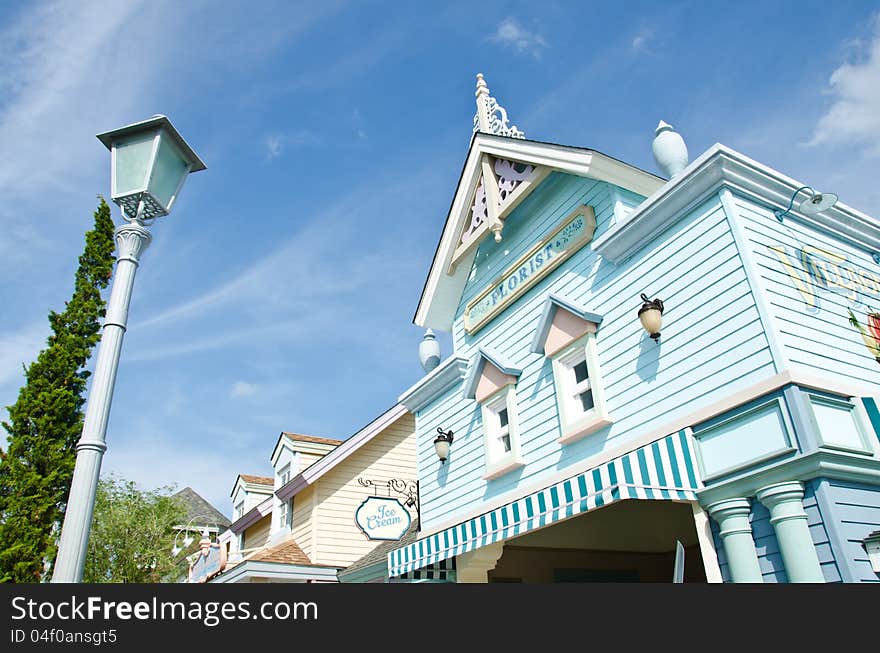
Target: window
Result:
[[284, 475], [284, 514], [579, 393], [501, 432], [239, 509]]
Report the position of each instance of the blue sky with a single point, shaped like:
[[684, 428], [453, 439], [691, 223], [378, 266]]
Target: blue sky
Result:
[[279, 294]]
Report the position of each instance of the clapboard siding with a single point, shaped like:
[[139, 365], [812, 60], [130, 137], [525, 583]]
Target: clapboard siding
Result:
[[819, 533], [855, 510], [301, 524], [769, 558], [694, 267], [390, 454], [257, 535], [821, 341]]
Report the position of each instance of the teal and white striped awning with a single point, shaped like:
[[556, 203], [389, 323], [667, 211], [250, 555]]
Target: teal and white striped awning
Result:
[[661, 470]]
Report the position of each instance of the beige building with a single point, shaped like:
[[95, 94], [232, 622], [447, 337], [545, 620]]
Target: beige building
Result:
[[299, 525]]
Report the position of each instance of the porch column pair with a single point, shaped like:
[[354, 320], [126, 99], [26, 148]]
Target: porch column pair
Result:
[[789, 521]]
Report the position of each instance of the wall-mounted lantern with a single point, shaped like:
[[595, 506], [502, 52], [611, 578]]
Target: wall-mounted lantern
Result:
[[872, 546], [815, 203], [442, 443], [650, 315]]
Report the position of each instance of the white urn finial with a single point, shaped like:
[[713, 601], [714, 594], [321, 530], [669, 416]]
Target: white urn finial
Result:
[[670, 152], [429, 351]]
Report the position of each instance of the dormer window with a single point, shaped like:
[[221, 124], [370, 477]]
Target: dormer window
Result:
[[492, 382], [239, 509], [566, 334], [284, 475]]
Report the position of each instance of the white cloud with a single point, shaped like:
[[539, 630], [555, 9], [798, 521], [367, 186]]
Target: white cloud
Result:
[[275, 143], [274, 147], [641, 40], [854, 115], [21, 348], [513, 35], [243, 389]]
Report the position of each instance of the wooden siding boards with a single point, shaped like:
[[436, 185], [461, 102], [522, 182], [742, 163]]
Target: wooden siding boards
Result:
[[822, 341], [258, 534], [855, 510], [391, 454], [694, 267], [301, 526]]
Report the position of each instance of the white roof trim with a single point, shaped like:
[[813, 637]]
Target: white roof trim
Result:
[[252, 516], [442, 291], [317, 469], [438, 381], [721, 166], [486, 355]]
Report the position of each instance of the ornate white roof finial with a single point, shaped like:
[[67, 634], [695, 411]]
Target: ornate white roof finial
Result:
[[670, 152], [491, 117]]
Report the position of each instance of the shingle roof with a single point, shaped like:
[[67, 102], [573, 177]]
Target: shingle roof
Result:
[[257, 480], [380, 553], [310, 438], [287, 553], [200, 511]]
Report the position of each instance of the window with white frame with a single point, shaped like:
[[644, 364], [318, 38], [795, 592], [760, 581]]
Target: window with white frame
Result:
[[579, 392], [501, 432], [239, 509], [284, 475], [284, 514]]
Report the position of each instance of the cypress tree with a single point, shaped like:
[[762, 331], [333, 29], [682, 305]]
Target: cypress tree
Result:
[[46, 421]]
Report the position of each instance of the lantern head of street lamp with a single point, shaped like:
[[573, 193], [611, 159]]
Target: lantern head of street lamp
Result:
[[149, 163]]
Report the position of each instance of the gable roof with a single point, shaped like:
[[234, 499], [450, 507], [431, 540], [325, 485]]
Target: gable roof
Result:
[[299, 437], [312, 444], [552, 303], [317, 469], [443, 287], [484, 355], [199, 510], [257, 480]]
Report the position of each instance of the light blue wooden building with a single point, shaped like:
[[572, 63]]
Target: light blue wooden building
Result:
[[585, 449]]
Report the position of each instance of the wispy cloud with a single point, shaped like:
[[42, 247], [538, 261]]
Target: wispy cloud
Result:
[[277, 143], [642, 40], [854, 115], [512, 34], [243, 389], [19, 348]]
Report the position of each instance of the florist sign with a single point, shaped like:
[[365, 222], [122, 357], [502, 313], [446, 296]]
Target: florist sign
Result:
[[574, 232], [382, 518]]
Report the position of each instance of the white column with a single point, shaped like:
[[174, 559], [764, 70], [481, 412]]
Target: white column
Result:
[[131, 241]]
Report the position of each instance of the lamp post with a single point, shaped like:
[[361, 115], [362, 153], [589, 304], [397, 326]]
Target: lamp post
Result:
[[149, 163]]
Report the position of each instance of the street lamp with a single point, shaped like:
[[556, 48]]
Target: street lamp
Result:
[[149, 163]]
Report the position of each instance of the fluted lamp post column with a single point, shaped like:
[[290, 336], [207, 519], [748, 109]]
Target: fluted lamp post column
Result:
[[149, 163]]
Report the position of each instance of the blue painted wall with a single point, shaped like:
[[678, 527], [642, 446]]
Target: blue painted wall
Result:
[[694, 267], [851, 511], [819, 340]]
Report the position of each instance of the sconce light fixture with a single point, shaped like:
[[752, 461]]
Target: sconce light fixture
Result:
[[815, 203], [442, 443], [650, 315], [872, 546]]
